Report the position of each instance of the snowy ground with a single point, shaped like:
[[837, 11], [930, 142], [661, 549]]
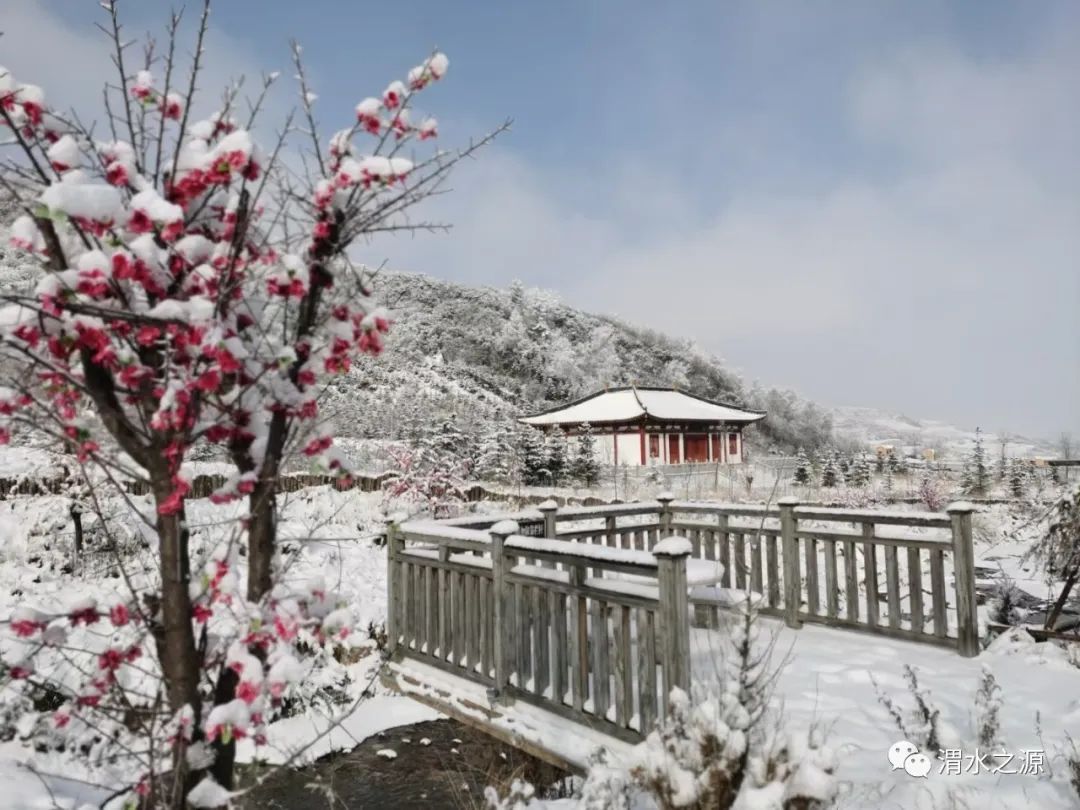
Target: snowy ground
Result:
[[829, 679], [829, 682]]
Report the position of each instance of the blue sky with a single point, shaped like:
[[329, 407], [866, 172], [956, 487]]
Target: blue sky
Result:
[[873, 203]]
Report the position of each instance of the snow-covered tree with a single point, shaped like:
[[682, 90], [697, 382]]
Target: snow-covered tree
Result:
[[802, 468], [1017, 477], [829, 475], [533, 451], [557, 456], [496, 455], [194, 289], [432, 475], [586, 468], [976, 478], [860, 471]]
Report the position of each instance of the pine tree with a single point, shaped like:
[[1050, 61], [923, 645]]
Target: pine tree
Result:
[[1017, 477], [534, 458], [802, 468], [844, 466], [829, 476], [888, 480], [977, 476], [860, 472], [556, 456], [495, 457], [586, 467]]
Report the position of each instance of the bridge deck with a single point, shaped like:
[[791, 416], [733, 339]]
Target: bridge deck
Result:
[[528, 727]]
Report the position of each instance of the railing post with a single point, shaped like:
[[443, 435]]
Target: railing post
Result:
[[393, 584], [792, 576], [503, 604], [967, 616], [665, 499], [671, 554], [550, 511]]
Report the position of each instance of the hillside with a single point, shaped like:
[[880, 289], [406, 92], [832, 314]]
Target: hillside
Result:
[[871, 426], [481, 352]]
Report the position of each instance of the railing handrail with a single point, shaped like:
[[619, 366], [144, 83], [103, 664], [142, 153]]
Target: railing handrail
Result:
[[583, 551]]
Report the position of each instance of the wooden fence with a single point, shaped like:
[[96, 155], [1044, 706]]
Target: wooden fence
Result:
[[591, 620], [598, 635]]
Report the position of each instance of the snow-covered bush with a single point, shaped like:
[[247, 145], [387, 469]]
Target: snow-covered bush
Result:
[[724, 747], [919, 724], [1006, 602], [1059, 550], [194, 290]]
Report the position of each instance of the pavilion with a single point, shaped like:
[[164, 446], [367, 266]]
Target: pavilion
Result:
[[641, 426]]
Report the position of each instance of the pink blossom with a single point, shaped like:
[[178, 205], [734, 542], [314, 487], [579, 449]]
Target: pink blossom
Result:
[[119, 615]]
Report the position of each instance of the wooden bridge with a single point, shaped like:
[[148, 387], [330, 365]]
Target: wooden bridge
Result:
[[517, 622]]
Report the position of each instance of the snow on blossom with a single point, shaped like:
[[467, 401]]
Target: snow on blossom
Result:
[[77, 196], [172, 106], [64, 155], [367, 115], [209, 793], [394, 95], [228, 721], [143, 86], [284, 671], [429, 128], [433, 69], [24, 234]]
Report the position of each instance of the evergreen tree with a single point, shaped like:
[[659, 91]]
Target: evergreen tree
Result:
[[1017, 477], [802, 468], [556, 456], [976, 474], [879, 463], [829, 475], [586, 467], [844, 466], [860, 472], [888, 480], [495, 456], [534, 458], [892, 462]]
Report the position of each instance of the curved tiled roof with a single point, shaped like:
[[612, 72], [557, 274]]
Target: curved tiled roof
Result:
[[631, 404]]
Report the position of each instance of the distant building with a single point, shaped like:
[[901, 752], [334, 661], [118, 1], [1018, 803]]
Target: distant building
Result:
[[884, 450], [644, 426], [929, 454]]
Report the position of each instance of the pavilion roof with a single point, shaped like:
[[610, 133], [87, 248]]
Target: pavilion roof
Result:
[[633, 404]]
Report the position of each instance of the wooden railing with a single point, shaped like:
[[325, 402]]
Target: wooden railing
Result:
[[857, 569], [586, 610], [908, 575], [598, 635]]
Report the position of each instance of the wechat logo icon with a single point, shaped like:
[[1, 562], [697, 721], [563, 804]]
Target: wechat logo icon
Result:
[[905, 755]]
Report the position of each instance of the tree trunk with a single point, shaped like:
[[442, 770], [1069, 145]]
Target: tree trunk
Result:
[[177, 650], [1063, 597], [262, 534]]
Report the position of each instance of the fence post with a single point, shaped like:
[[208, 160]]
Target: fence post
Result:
[[792, 576], [503, 604], [393, 584], [665, 499], [967, 617], [671, 554], [550, 510]]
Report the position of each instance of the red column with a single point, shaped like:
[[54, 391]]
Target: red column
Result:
[[641, 434]]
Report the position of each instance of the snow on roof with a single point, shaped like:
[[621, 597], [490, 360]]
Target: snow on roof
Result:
[[631, 404]]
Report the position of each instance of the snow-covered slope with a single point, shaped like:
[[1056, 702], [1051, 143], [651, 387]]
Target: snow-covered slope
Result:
[[872, 426]]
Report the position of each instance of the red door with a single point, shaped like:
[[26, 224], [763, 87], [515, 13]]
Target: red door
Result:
[[673, 449], [697, 447], [716, 447]]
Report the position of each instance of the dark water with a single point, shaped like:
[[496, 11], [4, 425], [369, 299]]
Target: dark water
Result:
[[449, 772]]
